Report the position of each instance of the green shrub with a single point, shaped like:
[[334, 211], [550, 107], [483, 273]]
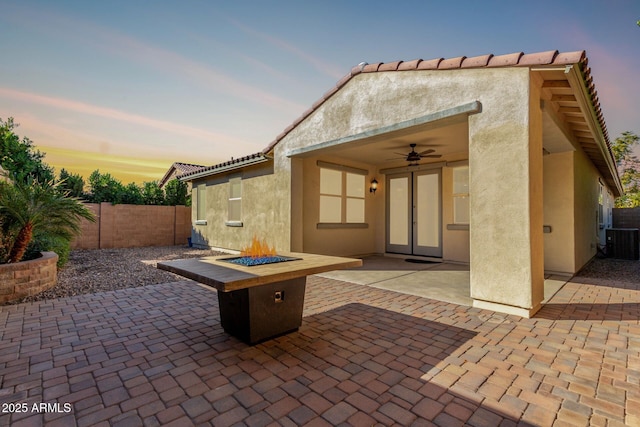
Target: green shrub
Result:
[[45, 243]]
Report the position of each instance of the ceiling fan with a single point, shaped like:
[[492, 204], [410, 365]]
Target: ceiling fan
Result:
[[413, 157]]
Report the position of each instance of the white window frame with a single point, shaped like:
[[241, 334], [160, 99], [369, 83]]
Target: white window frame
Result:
[[201, 203], [235, 198]]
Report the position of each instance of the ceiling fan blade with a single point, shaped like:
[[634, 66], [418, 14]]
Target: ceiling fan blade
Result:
[[432, 156], [396, 158], [401, 154], [429, 151]]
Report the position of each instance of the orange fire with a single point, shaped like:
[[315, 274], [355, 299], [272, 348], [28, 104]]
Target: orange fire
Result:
[[258, 249]]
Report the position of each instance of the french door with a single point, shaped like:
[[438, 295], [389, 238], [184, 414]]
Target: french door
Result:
[[414, 219]]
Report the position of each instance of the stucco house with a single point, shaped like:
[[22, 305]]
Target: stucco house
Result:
[[511, 172]]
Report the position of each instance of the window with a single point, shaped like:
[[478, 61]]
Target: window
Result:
[[201, 203], [461, 195], [600, 220], [341, 196], [235, 200]]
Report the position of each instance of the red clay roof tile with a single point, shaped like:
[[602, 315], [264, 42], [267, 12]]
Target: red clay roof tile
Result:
[[540, 58], [505, 60], [390, 66], [476, 61], [371, 68], [447, 64], [431, 64], [409, 65], [570, 58]]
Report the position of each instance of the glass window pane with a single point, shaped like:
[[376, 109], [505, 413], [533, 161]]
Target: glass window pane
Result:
[[428, 212], [201, 201], [355, 185], [355, 210], [330, 209], [235, 210], [461, 210], [235, 188], [461, 180], [330, 182]]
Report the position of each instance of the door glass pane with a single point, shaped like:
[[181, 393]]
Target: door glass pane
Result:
[[428, 210], [398, 211]]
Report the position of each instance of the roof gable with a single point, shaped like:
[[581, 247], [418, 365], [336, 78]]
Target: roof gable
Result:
[[517, 59]]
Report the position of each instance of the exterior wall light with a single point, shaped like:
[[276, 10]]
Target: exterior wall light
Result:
[[374, 186]]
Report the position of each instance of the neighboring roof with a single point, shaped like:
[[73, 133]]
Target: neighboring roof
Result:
[[179, 169], [229, 165]]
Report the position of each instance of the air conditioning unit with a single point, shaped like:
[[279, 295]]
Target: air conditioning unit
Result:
[[623, 243]]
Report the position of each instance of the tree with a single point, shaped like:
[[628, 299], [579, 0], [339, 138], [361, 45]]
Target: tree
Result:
[[71, 184], [105, 188], [628, 168], [19, 157], [152, 194], [132, 195], [176, 193], [30, 208]]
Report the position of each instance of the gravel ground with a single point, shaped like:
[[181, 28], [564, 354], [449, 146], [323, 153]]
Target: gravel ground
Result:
[[610, 272], [98, 270]]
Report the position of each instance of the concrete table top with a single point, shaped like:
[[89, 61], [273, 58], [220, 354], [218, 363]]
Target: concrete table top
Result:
[[225, 276]]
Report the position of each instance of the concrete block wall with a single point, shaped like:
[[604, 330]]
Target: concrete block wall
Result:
[[22, 279], [126, 226]]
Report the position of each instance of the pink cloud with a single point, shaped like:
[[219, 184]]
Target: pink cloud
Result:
[[113, 114], [136, 50]]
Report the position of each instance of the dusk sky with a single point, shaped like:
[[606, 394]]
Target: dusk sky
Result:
[[129, 87]]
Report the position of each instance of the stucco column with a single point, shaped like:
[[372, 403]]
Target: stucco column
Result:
[[506, 206]]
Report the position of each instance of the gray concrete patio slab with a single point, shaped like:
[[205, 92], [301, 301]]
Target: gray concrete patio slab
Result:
[[441, 281]]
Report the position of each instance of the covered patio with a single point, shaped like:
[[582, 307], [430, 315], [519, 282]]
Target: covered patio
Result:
[[446, 282]]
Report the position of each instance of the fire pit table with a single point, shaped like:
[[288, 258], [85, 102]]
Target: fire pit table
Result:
[[263, 301]]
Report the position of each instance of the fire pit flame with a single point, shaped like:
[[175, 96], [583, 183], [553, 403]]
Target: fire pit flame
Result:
[[258, 253], [258, 249]]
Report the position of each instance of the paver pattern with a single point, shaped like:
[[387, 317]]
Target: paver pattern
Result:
[[157, 355]]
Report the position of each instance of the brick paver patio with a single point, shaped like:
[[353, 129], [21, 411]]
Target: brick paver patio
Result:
[[157, 355]]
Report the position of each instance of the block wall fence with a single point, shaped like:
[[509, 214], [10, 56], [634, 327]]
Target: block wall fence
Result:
[[128, 226], [626, 218]]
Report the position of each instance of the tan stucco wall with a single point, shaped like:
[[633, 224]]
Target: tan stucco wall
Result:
[[559, 245], [339, 241], [505, 167], [587, 190], [261, 211]]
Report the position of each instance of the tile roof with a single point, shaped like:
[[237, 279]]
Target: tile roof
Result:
[[517, 59], [225, 166], [180, 168]]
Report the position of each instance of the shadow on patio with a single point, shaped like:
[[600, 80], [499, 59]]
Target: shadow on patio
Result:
[[157, 355]]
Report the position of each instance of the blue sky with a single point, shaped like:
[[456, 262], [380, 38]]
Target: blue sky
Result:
[[131, 86]]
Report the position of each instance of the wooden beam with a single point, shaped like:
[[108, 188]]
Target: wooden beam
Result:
[[556, 84]]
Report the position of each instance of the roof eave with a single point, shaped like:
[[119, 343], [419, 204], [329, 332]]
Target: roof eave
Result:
[[222, 169], [577, 81]]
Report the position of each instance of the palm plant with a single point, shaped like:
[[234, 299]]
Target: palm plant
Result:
[[34, 207]]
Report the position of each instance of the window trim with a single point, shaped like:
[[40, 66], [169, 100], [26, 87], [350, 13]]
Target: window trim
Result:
[[457, 196], [344, 171]]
